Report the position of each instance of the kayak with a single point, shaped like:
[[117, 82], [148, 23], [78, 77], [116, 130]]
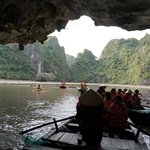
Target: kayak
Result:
[[83, 89]]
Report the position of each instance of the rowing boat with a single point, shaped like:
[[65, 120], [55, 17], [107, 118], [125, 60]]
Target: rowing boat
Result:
[[66, 136], [83, 89], [63, 87], [140, 116]]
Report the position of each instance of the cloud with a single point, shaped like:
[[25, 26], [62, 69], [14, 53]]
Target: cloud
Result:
[[83, 34]]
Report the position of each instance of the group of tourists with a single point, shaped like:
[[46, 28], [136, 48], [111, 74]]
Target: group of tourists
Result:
[[63, 84], [83, 85], [101, 108]]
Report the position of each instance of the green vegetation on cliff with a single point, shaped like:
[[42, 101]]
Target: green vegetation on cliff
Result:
[[121, 62], [83, 67], [14, 64]]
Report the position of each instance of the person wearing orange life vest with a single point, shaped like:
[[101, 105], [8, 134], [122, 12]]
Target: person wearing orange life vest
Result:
[[101, 91], [118, 108], [39, 87], [119, 92], [107, 103], [113, 93], [81, 84], [84, 85], [128, 99], [107, 100], [136, 98]]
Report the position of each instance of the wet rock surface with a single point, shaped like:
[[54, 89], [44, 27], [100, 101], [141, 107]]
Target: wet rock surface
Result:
[[28, 21]]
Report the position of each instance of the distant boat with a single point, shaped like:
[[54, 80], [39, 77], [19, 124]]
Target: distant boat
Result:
[[63, 87], [83, 89]]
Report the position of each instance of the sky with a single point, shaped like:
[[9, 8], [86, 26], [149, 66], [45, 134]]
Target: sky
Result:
[[83, 34]]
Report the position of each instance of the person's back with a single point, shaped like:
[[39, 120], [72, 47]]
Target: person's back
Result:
[[118, 108], [108, 101], [113, 93], [89, 110]]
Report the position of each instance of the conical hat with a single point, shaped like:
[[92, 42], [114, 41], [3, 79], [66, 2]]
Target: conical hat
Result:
[[91, 98], [129, 91]]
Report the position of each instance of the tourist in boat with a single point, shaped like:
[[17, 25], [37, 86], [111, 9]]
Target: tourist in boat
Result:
[[118, 108], [107, 100], [89, 109], [63, 84], [81, 84], [84, 85], [101, 91], [39, 87], [113, 93], [119, 92], [107, 103], [136, 98], [127, 98]]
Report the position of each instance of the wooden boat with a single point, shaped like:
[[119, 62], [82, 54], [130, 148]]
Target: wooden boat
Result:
[[67, 136], [140, 116], [63, 87], [83, 89]]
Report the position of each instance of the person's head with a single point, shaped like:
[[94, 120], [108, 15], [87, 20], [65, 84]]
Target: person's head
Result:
[[113, 91], [119, 90], [108, 95], [136, 91], [101, 90], [124, 90], [118, 99]]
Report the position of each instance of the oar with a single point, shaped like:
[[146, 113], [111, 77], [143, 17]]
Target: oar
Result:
[[139, 128], [45, 124]]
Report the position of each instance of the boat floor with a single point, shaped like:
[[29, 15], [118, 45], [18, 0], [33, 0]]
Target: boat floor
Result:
[[71, 140]]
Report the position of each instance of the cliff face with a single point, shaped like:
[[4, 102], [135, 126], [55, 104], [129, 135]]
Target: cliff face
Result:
[[27, 21], [45, 62]]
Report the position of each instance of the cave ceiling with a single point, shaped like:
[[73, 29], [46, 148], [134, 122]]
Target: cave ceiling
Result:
[[28, 21]]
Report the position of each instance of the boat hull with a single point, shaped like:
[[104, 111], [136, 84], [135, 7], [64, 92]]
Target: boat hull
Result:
[[141, 117], [63, 87], [67, 136]]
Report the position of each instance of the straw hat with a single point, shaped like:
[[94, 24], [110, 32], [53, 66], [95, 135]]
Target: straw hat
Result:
[[91, 98], [129, 91]]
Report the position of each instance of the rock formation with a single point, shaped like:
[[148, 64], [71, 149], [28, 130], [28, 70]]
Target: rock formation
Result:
[[28, 21]]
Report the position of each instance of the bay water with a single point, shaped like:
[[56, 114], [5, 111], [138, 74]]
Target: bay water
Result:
[[23, 107]]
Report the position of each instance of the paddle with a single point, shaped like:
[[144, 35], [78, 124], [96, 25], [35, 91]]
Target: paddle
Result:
[[45, 124], [139, 128]]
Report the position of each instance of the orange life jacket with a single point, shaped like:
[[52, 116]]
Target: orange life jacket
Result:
[[84, 85], [121, 111], [136, 97], [39, 87], [127, 98], [107, 103]]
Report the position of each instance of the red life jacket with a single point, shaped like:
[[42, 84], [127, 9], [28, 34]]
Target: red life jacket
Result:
[[121, 111], [127, 98], [136, 97]]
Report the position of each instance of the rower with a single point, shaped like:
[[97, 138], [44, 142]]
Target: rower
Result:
[[89, 109]]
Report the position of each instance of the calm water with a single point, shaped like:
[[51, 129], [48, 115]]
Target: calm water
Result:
[[22, 107]]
